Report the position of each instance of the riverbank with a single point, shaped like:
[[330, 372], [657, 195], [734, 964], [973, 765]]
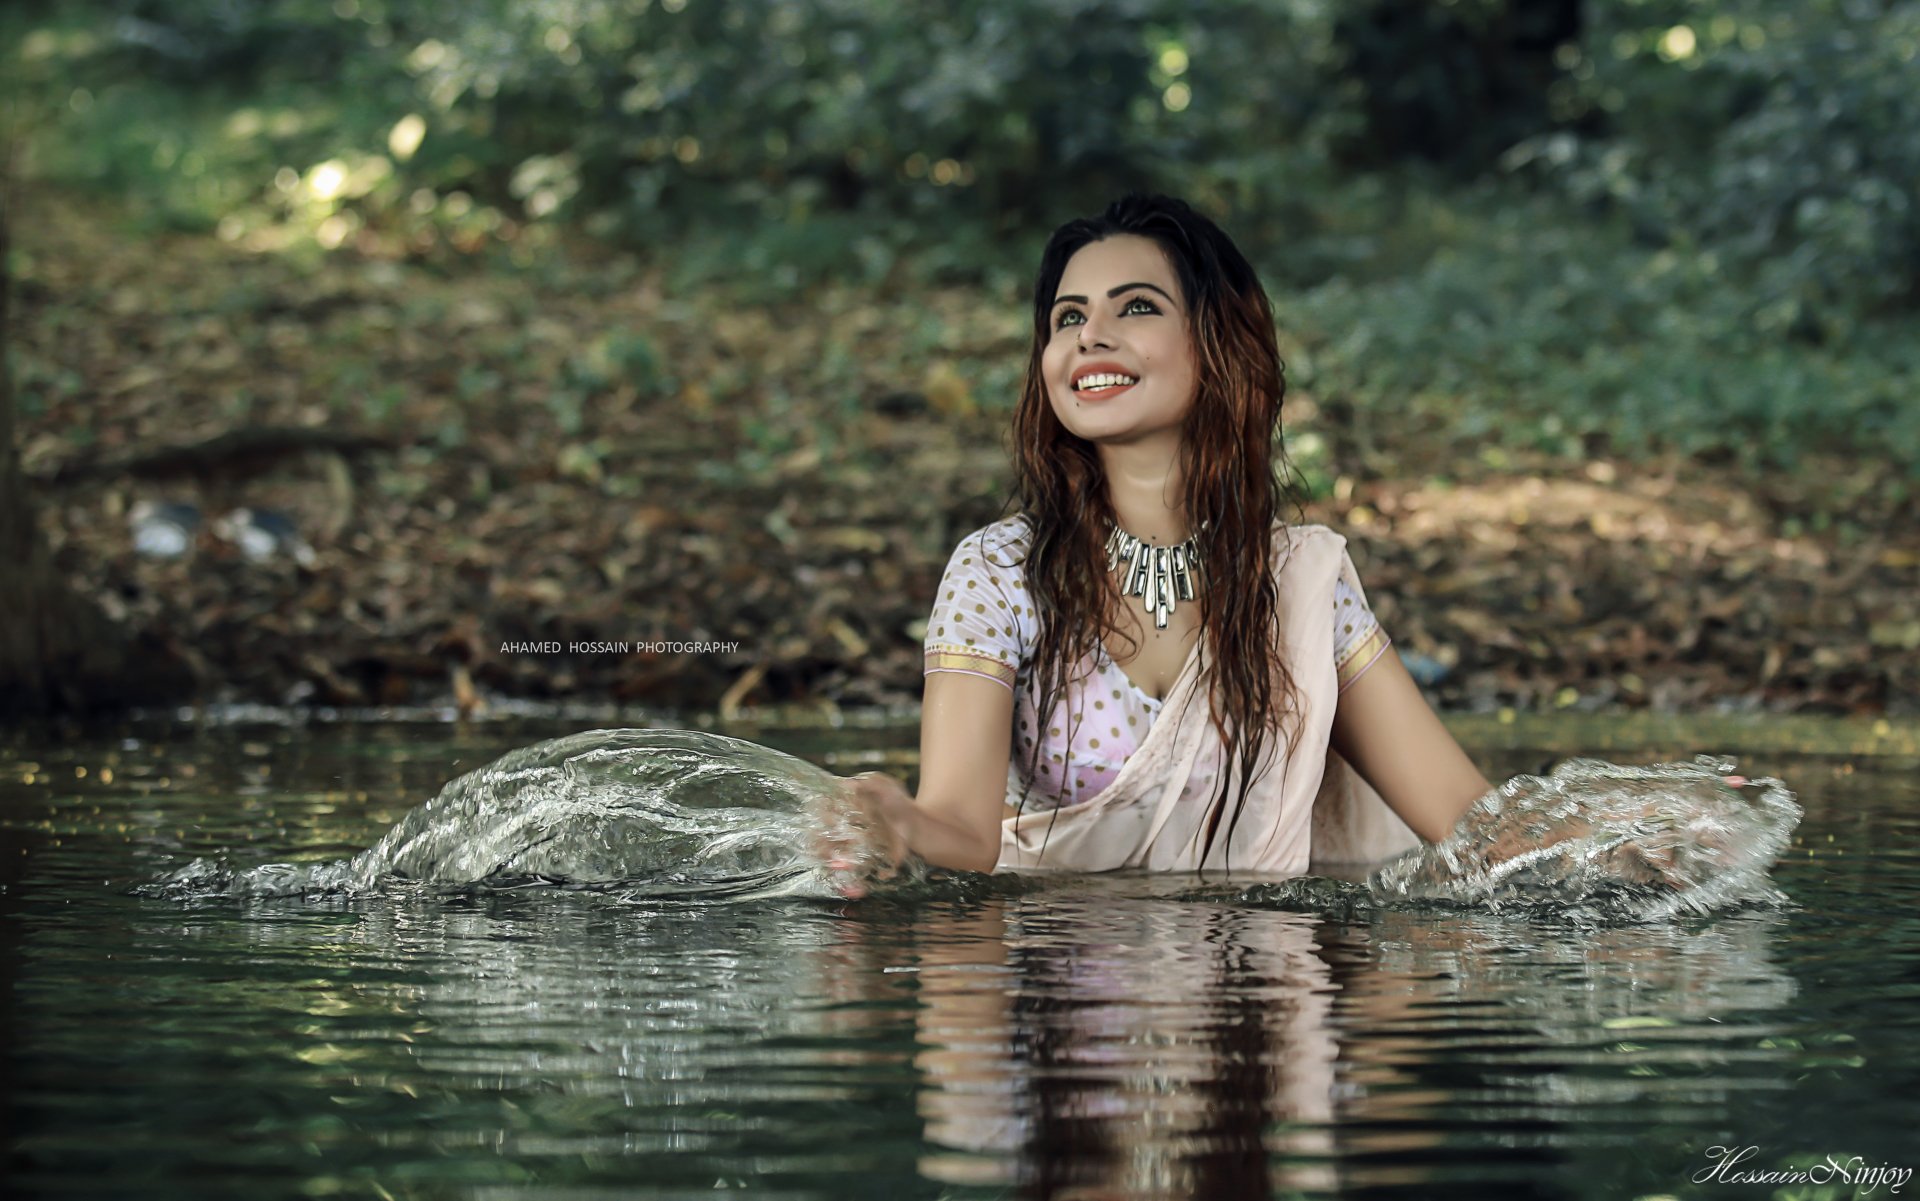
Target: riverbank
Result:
[[757, 500]]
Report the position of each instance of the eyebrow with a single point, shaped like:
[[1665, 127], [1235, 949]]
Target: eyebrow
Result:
[[1111, 292]]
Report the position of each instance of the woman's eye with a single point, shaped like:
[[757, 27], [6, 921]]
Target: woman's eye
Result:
[[1061, 322]]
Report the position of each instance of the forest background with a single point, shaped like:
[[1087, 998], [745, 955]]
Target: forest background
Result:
[[355, 344]]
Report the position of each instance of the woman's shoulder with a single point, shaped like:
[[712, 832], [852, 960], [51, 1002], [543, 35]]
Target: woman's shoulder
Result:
[[1289, 538], [996, 538], [1307, 531]]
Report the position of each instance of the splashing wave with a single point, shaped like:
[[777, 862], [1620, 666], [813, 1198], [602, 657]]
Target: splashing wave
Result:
[[686, 815], [666, 813], [1609, 843]]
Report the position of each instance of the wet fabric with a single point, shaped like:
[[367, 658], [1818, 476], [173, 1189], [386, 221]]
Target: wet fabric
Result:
[[1106, 732]]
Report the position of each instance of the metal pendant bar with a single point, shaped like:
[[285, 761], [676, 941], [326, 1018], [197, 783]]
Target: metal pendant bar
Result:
[[1182, 576], [1137, 578], [1160, 576]]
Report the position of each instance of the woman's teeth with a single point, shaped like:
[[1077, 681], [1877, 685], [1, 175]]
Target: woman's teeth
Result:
[[1093, 382]]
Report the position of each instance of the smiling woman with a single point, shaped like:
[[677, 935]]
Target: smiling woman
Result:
[[1256, 721]]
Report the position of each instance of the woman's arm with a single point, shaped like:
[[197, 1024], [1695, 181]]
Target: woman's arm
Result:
[[966, 740], [1390, 735]]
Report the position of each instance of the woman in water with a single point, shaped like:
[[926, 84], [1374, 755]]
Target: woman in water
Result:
[[1146, 666]]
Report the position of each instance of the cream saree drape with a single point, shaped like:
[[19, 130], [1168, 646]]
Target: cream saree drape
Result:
[[1313, 809]]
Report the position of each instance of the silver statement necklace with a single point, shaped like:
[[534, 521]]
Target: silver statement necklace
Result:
[[1158, 575]]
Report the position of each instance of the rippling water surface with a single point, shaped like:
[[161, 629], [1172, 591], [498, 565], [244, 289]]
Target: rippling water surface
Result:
[[1077, 1036]]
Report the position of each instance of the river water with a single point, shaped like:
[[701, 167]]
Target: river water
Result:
[[1119, 1036]]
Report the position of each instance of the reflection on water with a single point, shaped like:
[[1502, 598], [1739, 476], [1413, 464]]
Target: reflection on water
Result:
[[1085, 1042], [1202, 1050], [1163, 1050], [1116, 1036]]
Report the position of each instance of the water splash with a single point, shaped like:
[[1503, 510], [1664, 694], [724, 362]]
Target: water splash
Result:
[[1596, 841], [686, 815], [645, 813]]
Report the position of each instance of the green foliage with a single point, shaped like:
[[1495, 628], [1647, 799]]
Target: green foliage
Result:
[[825, 139], [1722, 249], [1525, 328], [1782, 135], [765, 111], [654, 119]]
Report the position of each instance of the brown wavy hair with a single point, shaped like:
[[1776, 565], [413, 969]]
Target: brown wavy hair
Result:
[[1235, 479]]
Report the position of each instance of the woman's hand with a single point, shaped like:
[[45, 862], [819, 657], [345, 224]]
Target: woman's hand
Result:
[[864, 830], [1667, 839], [1632, 842]]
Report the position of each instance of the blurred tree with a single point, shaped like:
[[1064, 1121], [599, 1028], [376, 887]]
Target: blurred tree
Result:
[[1781, 135], [655, 118], [58, 651], [1455, 83]]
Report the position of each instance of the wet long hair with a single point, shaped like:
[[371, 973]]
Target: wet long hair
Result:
[[1231, 461]]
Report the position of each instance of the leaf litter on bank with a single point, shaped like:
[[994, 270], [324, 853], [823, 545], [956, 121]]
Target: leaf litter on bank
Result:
[[620, 465]]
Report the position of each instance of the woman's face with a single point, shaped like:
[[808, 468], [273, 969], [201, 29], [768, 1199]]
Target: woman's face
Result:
[[1118, 328]]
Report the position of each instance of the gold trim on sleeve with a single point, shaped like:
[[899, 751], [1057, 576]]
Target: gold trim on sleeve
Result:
[[1361, 655], [973, 663]]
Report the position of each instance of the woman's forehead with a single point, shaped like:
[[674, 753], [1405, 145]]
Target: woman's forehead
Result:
[[1120, 259]]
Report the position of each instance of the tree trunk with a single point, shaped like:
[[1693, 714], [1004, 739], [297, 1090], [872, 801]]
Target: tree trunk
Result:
[[58, 652]]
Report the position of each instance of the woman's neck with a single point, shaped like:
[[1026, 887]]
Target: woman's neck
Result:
[[1143, 483]]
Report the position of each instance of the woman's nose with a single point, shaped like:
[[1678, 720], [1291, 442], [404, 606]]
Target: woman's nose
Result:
[[1094, 335]]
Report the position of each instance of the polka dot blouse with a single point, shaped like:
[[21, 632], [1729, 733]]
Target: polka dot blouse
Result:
[[983, 623]]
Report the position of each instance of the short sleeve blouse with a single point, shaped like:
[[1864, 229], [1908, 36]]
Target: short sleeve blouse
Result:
[[983, 623]]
